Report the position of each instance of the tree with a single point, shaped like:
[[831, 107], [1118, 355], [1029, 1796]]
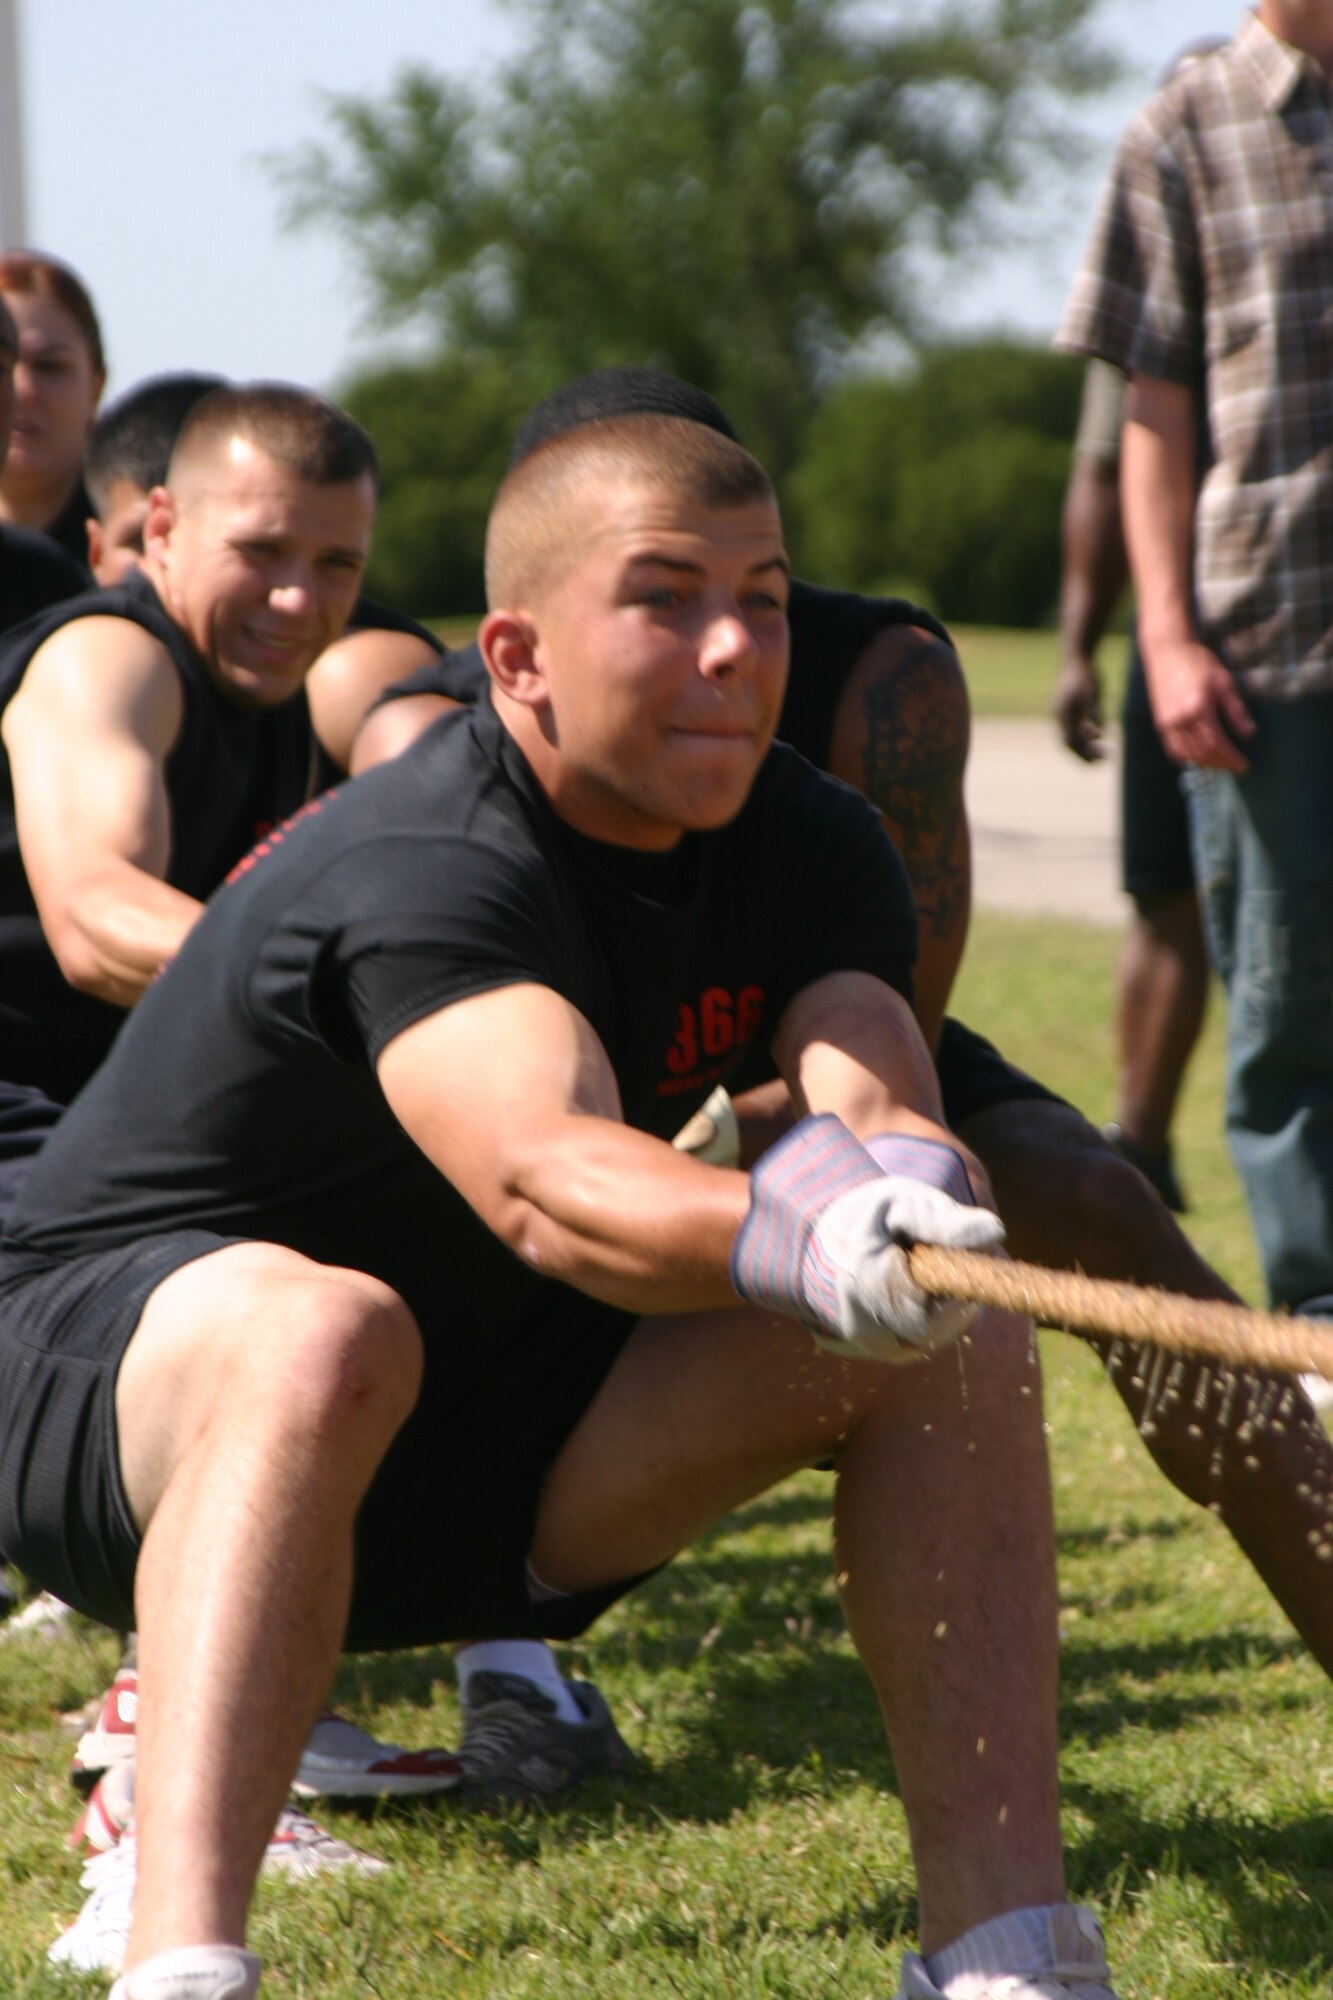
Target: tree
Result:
[[945, 483], [443, 431], [732, 189]]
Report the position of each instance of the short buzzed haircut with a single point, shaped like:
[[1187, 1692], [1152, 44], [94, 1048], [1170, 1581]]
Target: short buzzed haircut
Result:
[[619, 391], [133, 438], [301, 430], [535, 530]]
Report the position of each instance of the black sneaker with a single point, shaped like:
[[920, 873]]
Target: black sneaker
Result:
[[515, 1751], [1158, 1169]]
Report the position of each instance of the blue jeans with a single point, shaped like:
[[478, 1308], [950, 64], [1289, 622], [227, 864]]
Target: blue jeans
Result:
[[1263, 848]]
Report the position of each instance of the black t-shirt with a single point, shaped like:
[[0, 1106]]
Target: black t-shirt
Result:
[[35, 572], [233, 773], [242, 1095], [830, 629]]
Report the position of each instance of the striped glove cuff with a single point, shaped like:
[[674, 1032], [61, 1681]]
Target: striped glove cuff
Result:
[[790, 1187]]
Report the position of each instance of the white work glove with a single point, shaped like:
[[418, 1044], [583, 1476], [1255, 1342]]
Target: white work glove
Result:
[[824, 1238], [859, 1242], [713, 1135]]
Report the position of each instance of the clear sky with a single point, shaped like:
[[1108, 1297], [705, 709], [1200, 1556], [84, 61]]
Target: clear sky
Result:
[[145, 127]]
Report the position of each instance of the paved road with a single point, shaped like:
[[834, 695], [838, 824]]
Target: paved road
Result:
[[1044, 826]]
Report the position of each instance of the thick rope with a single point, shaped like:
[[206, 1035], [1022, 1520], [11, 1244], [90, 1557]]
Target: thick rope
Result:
[[1209, 1327]]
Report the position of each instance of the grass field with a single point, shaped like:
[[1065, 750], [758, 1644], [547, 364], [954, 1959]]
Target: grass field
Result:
[[761, 1848]]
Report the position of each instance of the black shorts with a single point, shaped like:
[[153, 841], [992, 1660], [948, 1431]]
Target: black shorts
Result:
[[975, 1077], [443, 1535], [1154, 817], [26, 1118]]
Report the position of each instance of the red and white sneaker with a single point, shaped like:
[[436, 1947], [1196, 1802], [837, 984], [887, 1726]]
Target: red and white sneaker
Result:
[[340, 1760], [109, 1813], [110, 1741]]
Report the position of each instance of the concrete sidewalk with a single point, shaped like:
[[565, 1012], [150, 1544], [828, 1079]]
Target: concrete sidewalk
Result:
[[1045, 827]]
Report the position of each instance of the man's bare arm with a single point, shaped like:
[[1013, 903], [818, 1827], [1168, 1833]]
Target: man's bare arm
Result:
[[350, 675], [1199, 710], [388, 730], [1092, 581], [511, 1096], [88, 735], [900, 736]]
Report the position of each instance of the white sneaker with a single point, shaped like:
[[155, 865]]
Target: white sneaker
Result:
[[41, 1614], [342, 1761], [1074, 1968], [95, 1941], [300, 1848], [194, 1972]]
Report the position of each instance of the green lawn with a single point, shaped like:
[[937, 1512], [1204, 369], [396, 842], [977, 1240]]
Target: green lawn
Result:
[[1013, 673], [761, 1849]]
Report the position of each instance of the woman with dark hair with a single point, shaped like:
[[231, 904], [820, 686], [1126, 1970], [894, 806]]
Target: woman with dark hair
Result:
[[58, 383]]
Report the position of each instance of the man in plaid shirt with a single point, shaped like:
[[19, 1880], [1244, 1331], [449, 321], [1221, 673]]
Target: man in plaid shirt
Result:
[[1209, 281]]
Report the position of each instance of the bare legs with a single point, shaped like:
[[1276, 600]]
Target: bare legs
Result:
[[944, 1552], [1162, 999], [1068, 1201], [248, 1454]]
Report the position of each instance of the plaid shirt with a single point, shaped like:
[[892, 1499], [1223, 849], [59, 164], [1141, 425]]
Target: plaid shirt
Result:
[[1211, 264]]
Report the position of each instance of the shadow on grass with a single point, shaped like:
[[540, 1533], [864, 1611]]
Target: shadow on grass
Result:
[[1275, 1882]]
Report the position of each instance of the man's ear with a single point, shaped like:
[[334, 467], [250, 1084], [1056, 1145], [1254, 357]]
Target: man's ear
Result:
[[508, 641], [92, 527], [158, 523]]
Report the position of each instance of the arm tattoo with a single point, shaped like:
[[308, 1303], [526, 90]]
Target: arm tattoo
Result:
[[915, 716]]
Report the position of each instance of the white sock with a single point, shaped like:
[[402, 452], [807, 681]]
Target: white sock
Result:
[[530, 1658], [192, 1972], [1016, 1942]]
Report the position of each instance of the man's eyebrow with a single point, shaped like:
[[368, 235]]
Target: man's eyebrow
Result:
[[685, 567]]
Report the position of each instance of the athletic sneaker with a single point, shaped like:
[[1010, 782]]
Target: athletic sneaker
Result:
[[95, 1941], [515, 1751], [1075, 1968], [109, 1813], [340, 1761], [42, 1614], [194, 1972], [110, 1740]]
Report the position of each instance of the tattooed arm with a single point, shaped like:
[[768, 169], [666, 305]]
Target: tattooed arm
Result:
[[900, 736]]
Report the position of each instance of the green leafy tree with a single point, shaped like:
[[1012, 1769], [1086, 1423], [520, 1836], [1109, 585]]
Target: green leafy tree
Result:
[[945, 483], [443, 430], [732, 189]]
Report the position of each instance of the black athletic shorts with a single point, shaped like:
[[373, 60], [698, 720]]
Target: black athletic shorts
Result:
[[975, 1077], [444, 1533], [1154, 817], [26, 1118]]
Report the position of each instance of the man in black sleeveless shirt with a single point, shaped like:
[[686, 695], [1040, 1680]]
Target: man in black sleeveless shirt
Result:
[[877, 697], [347, 1247], [154, 731]]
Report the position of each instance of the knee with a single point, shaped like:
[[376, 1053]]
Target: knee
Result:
[[352, 1357], [1077, 1204]]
